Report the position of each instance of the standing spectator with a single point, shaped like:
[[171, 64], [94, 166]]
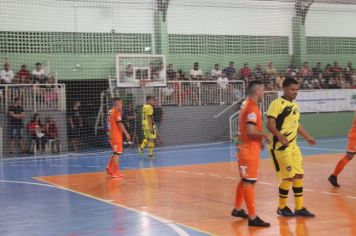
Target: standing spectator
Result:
[[279, 81], [317, 71], [7, 75], [158, 118], [170, 72], [196, 73], [39, 75], [258, 73], [245, 73], [129, 118], [75, 125], [230, 70], [216, 72], [223, 81], [23, 75], [271, 71], [16, 115], [292, 70]]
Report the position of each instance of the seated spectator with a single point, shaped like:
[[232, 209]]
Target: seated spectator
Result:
[[223, 81], [279, 81], [23, 75], [304, 71], [349, 72], [230, 70], [170, 72], [315, 83], [161, 72], [39, 75], [245, 73], [270, 86], [51, 129], [336, 69], [207, 76], [196, 73], [326, 76], [7, 75], [258, 72], [271, 72], [216, 72], [292, 70], [36, 130], [181, 75], [317, 71]]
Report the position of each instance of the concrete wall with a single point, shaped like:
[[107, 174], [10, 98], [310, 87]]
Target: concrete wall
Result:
[[59, 118]]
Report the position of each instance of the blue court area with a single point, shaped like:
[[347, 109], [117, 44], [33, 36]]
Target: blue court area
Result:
[[31, 207]]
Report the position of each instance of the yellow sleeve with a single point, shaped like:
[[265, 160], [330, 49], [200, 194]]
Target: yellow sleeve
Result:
[[149, 111], [274, 109]]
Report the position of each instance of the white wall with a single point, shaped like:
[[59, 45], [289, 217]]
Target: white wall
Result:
[[66, 16]]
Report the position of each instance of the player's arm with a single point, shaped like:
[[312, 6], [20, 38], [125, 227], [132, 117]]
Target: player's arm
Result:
[[254, 133], [150, 122], [127, 135], [302, 132], [271, 126]]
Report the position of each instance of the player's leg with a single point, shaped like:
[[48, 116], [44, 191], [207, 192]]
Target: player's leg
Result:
[[114, 162], [144, 142], [282, 163], [151, 143], [351, 150], [238, 211], [298, 184]]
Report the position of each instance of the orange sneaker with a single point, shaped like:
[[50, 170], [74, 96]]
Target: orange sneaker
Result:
[[109, 170], [117, 175]]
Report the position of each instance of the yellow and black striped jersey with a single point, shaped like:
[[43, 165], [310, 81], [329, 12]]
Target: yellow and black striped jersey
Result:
[[287, 117]]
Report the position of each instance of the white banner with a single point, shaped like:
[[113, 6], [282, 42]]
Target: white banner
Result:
[[326, 100]]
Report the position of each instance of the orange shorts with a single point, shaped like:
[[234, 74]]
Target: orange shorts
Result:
[[249, 169], [351, 146], [117, 147]]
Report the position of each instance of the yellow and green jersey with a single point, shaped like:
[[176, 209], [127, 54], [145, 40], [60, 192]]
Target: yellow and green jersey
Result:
[[147, 113]]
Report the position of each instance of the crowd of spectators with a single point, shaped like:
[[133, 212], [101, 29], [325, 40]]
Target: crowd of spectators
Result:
[[317, 77]]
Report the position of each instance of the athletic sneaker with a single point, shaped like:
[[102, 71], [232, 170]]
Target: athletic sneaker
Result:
[[285, 212], [258, 222], [153, 157], [304, 212], [117, 175], [109, 170], [241, 213], [139, 152], [333, 180]]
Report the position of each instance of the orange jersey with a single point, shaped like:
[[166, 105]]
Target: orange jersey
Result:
[[352, 131], [114, 130], [250, 114]]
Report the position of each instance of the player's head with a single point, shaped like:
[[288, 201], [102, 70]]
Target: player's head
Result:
[[150, 100], [255, 89], [290, 88], [117, 102]]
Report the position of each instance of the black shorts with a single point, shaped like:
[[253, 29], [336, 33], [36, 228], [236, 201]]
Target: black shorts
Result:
[[16, 132], [74, 133]]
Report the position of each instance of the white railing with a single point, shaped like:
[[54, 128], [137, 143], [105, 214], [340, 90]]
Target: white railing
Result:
[[268, 97], [188, 93], [34, 97], [233, 125]]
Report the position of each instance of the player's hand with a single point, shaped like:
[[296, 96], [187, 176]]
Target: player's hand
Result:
[[152, 131], [311, 141], [268, 139], [128, 137], [283, 139], [263, 145]]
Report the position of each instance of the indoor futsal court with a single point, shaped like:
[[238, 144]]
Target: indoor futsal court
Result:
[[147, 117], [188, 190]]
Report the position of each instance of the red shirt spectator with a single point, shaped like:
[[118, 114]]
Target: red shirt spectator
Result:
[[336, 68], [51, 129], [23, 75], [245, 71]]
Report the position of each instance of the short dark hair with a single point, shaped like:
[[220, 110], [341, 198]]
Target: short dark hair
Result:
[[288, 81], [252, 84], [117, 99], [17, 99], [38, 64], [149, 97]]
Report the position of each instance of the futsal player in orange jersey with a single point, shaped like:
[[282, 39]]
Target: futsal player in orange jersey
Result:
[[115, 131], [350, 152], [250, 142]]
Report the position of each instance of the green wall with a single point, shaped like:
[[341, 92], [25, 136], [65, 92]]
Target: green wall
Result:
[[327, 124]]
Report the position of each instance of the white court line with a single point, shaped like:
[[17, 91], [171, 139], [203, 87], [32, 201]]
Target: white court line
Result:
[[351, 197], [75, 165], [335, 194], [212, 175], [93, 166], [167, 222], [198, 173], [322, 149]]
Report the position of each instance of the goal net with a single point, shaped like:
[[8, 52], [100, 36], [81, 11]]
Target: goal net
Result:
[[67, 59]]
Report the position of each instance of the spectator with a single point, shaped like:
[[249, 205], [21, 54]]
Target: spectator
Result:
[[170, 72], [36, 131], [23, 75], [158, 118], [279, 81], [270, 86], [336, 69], [292, 69], [207, 76], [317, 71], [223, 81], [181, 75], [7, 75], [49, 93], [258, 72], [196, 73], [129, 74], [39, 75], [161, 73], [16, 125], [216, 72], [51, 129], [349, 72], [245, 73], [230, 71], [270, 71], [315, 83], [75, 125], [305, 72], [129, 118]]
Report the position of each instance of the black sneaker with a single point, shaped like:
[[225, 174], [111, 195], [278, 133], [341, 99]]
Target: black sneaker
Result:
[[285, 212], [241, 213], [333, 180], [304, 212], [258, 222]]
